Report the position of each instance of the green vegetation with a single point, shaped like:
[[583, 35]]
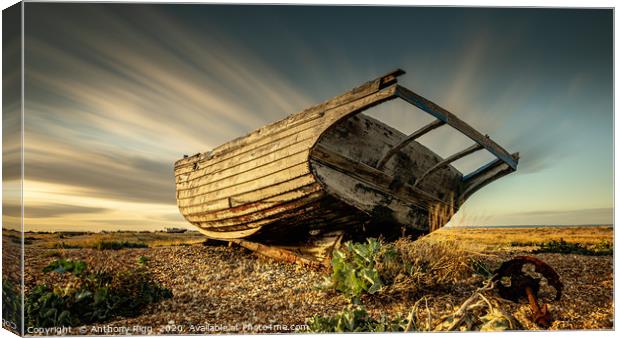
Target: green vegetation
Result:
[[354, 269], [600, 249], [476, 313], [90, 296], [603, 248], [18, 239], [117, 245], [402, 266], [412, 268], [11, 302], [516, 243], [63, 245], [354, 318], [66, 265], [65, 234], [142, 260], [101, 245]]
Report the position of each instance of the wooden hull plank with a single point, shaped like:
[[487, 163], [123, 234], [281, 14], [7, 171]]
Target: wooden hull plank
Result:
[[252, 208], [231, 187], [251, 219], [252, 153], [248, 197], [225, 178]]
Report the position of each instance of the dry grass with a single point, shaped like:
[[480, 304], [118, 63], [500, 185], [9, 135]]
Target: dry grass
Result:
[[482, 311], [503, 239], [439, 214], [93, 240], [425, 264]]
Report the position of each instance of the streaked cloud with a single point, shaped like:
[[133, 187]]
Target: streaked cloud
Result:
[[60, 210]]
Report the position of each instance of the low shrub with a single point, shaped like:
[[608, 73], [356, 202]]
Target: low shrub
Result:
[[16, 240], [142, 260], [65, 234], [63, 245], [11, 303], [563, 247], [66, 265], [602, 248], [117, 245], [100, 245], [90, 296], [355, 318], [402, 266], [523, 244]]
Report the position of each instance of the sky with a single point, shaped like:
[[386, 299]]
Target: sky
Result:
[[116, 93]]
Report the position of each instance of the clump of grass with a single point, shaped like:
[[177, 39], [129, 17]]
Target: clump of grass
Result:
[[118, 245], [423, 264], [88, 296], [441, 261], [63, 245], [600, 249], [65, 234], [402, 266]]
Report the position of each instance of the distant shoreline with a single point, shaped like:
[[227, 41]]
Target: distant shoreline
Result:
[[446, 227], [77, 232], [530, 226]]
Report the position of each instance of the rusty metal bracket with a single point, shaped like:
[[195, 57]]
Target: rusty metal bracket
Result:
[[525, 286]]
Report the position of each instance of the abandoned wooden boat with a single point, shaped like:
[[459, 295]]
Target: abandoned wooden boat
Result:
[[330, 171]]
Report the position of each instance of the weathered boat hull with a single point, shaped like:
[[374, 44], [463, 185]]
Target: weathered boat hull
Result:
[[330, 168]]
